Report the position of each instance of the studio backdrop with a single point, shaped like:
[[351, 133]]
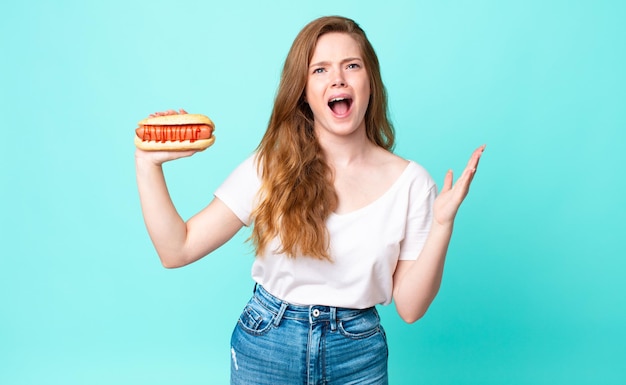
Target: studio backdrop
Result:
[[533, 291]]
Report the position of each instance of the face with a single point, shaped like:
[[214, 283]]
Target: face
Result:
[[338, 88]]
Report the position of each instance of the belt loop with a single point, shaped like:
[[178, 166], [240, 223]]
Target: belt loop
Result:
[[254, 289], [333, 318], [280, 314]]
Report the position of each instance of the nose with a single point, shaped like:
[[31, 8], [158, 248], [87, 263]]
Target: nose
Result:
[[339, 80]]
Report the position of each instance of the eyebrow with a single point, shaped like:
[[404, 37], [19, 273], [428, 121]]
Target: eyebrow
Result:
[[325, 62]]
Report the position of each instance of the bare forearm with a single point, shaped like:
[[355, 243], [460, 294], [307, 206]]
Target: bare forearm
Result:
[[418, 283], [165, 226]]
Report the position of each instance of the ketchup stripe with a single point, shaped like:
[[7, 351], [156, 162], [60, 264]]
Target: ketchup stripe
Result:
[[177, 133]]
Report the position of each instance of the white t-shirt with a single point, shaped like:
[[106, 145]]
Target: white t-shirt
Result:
[[365, 244]]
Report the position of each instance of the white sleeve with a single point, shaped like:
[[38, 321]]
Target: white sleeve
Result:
[[419, 218], [239, 190]]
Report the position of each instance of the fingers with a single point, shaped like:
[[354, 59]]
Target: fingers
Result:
[[447, 181], [463, 182], [470, 169], [472, 164], [168, 112], [475, 158]]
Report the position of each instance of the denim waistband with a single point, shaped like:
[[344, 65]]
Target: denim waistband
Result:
[[311, 313]]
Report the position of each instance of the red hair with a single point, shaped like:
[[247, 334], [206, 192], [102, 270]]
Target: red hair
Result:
[[297, 193]]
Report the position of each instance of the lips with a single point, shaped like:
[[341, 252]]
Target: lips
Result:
[[340, 105]]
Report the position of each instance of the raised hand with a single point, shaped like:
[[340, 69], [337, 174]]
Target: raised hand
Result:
[[451, 196]]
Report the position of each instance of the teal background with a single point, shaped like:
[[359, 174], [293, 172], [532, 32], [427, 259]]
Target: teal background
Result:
[[534, 286]]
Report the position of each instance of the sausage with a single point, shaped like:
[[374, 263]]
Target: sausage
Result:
[[177, 133]]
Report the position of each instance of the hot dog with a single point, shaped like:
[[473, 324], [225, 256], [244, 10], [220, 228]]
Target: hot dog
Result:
[[177, 132]]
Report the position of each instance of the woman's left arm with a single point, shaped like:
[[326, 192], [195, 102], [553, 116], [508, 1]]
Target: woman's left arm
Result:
[[416, 283]]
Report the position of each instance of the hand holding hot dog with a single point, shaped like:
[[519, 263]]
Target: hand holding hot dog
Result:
[[169, 135]]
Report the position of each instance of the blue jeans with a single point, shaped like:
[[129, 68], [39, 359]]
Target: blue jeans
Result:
[[277, 343]]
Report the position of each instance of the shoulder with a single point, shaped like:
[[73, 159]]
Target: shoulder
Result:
[[412, 176], [248, 167], [245, 175], [239, 189], [419, 172], [388, 164], [420, 183], [407, 168]]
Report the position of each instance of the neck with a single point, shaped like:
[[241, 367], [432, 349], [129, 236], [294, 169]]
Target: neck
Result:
[[345, 151]]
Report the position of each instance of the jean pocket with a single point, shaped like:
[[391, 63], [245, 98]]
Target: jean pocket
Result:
[[255, 319], [363, 326]]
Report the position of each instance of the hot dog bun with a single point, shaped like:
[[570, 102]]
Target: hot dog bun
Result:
[[177, 132]]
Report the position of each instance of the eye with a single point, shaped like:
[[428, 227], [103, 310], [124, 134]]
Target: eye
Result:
[[319, 70], [353, 66]]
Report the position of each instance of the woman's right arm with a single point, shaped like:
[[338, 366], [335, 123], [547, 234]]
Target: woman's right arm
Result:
[[179, 243]]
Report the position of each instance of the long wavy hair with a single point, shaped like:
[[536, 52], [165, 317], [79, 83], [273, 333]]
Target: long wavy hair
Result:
[[297, 193]]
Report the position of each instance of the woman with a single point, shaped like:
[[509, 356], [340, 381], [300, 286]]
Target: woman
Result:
[[340, 223]]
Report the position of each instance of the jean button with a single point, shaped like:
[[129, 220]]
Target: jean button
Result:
[[316, 312]]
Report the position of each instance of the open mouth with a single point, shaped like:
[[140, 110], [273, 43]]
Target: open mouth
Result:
[[340, 106]]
